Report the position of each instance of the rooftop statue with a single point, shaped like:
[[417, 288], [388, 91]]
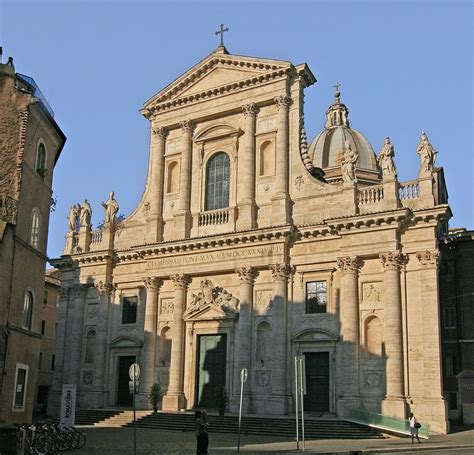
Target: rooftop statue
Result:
[[348, 163], [427, 154], [111, 208], [86, 214], [385, 159], [73, 217]]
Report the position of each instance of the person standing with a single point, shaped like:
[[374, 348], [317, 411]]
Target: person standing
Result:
[[201, 432], [414, 425]]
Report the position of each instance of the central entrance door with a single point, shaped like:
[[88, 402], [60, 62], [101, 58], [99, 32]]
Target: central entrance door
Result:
[[211, 368], [124, 397], [317, 382]]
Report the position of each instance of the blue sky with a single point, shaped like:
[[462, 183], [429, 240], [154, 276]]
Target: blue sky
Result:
[[404, 66]]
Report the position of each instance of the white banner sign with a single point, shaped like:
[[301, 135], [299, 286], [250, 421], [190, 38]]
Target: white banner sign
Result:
[[68, 405]]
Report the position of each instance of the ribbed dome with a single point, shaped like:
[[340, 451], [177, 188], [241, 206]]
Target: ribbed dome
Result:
[[326, 150]]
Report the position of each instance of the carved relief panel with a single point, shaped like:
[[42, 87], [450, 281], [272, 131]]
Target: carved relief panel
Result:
[[372, 295], [263, 302]]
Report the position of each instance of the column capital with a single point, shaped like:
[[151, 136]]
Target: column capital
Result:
[[281, 272], [152, 283], [250, 110], [187, 126], [349, 264], [160, 131], [104, 288], [428, 258], [180, 280], [393, 260], [282, 101], [247, 274]]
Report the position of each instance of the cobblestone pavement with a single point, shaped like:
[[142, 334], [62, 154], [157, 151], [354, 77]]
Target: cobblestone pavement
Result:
[[119, 441]]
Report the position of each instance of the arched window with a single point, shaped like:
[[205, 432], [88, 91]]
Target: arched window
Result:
[[27, 310], [41, 160], [267, 159], [264, 334], [35, 228], [90, 347], [172, 185], [373, 335], [217, 182]]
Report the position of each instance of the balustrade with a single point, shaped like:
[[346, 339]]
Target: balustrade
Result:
[[214, 217], [96, 236], [409, 190], [370, 195]]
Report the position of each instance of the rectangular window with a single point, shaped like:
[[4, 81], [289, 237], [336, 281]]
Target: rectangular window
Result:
[[45, 297], [451, 362], [316, 297], [40, 360], [19, 392], [453, 401], [55, 330], [53, 360], [129, 310], [43, 327], [450, 318]]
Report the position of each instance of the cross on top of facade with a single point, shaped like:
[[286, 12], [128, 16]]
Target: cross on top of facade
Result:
[[221, 32], [336, 86]]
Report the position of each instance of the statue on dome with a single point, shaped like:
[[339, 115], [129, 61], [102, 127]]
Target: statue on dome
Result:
[[348, 163], [427, 154], [86, 214], [111, 208], [73, 217], [385, 159]]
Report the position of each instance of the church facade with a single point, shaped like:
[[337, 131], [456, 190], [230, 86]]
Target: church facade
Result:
[[251, 246]]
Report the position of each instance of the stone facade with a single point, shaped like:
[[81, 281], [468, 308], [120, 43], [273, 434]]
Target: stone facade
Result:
[[342, 269], [30, 144]]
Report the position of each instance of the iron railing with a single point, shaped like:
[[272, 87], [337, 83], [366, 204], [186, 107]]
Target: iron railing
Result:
[[36, 91]]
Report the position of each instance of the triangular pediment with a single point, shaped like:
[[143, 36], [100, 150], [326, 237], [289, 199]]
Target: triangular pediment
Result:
[[209, 312], [215, 72]]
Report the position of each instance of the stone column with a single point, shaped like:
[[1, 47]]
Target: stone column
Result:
[[155, 198], [148, 355], [394, 403], [182, 220], [349, 314], [99, 385], [280, 200], [280, 395], [247, 218], [174, 399], [432, 403], [243, 334]]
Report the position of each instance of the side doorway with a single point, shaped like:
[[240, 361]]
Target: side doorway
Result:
[[317, 382], [124, 397]]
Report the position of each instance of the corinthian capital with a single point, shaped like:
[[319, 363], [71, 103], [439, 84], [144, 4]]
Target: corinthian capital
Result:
[[187, 126], [281, 271], [247, 274], [282, 102], [250, 110], [393, 260], [428, 258], [349, 264], [104, 288], [152, 283], [180, 280], [159, 131]]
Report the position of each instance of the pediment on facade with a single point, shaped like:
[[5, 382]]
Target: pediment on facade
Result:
[[208, 313], [315, 335], [216, 132], [125, 342], [216, 74]]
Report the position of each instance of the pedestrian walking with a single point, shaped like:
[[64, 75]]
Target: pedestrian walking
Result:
[[201, 432], [414, 426]]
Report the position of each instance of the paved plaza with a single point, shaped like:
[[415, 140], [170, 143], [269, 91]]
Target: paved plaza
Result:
[[108, 441]]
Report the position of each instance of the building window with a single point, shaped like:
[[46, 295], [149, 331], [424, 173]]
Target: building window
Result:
[[316, 297], [129, 310], [45, 297], [27, 310], [35, 228], [43, 327], [55, 330], [217, 182], [53, 360], [19, 392], [41, 160], [450, 318], [172, 185], [452, 401], [451, 363], [90, 347], [40, 361]]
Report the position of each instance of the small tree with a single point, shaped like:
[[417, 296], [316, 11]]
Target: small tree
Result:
[[156, 394], [222, 398]]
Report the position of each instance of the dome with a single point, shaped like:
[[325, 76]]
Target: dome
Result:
[[327, 148]]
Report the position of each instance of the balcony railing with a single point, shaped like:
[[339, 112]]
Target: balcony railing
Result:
[[370, 195], [36, 92], [214, 217], [409, 190]]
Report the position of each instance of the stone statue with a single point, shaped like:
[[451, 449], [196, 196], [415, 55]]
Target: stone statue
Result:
[[86, 213], [227, 301], [348, 163], [385, 159], [427, 154], [73, 217], [111, 208]]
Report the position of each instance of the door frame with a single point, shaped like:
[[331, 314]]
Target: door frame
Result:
[[117, 365]]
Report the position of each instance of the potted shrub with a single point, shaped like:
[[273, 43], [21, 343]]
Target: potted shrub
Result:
[[222, 399], [155, 396]]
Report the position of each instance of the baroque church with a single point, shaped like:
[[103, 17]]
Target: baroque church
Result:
[[252, 245]]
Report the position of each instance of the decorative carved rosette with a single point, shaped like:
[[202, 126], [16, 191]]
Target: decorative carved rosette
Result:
[[349, 264], [250, 110], [180, 280], [160, 132], [282, 102], [281, 272], [187, 126], [393, 260], [247, 274], [152, 283], [104, 288], [428, 258]]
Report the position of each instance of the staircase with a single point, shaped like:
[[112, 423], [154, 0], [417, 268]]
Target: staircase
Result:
[[106, 417]]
